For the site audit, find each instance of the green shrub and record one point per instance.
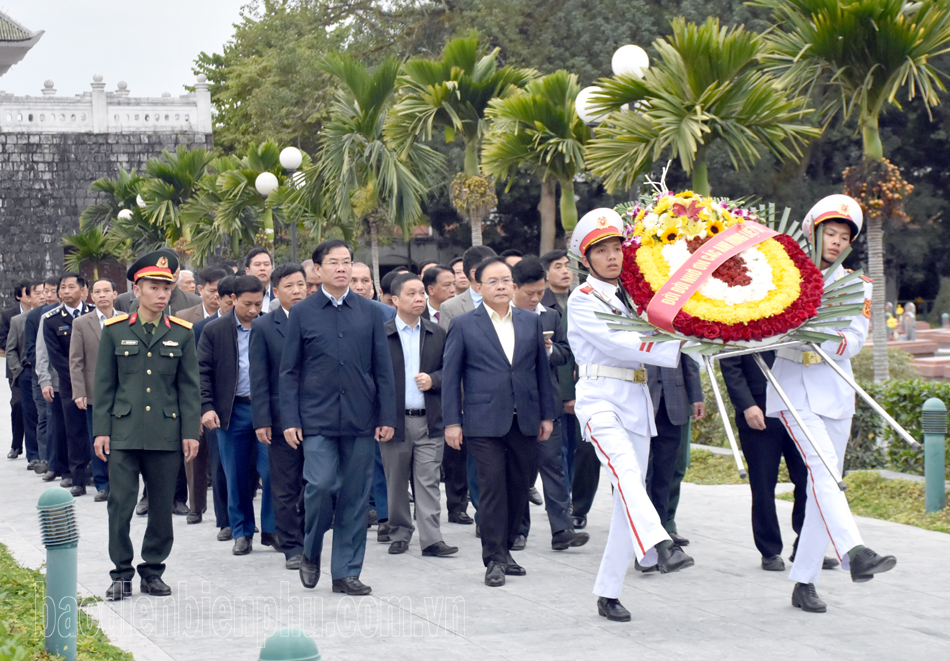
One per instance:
(709, 430)
(898, 365)
(942, 302)
(12, 645)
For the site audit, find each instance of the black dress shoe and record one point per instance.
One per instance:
(773, 563)
(31, 465)
(520, 542)
(382, 532)
(397, 548)
(672, 558)
(805, 596)
(78, 491)
(142, 507)
(293, 562)
(193, 517)
(154, 585)
(580, 522)
(568, 538)
(830, 563)
(351, 585)
(678, 539)
(180, 509)
(66, 483)
(461, 518)
(371, 519)
(866, 563)
(644, 570)
(224, 535)
(534, 497)
(102, 496)
(309, 572)
(495, 575)
(440, 550)
(119, 590)
(41, 468)
(242, 546)
(270, 539)
(13, 454)
(512, 568)
(612, 609)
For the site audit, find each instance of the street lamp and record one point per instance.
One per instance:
(628, 60)
(583, 105)
(124, 214)
(290, 159)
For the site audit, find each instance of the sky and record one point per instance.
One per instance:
(149, 44)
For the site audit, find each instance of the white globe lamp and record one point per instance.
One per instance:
(630, 60)
(291, 158)
(124, 214)
(266, 183)
(583, 105)
(139, 201)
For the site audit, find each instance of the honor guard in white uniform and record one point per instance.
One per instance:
(826, 404)
(614, 408)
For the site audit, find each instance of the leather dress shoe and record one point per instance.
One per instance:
(180, 509)
(156, 586)
(495, 575)
(567, 539)
(293, 562)
(512, 568)
(382, 532)
(224, 534)
(32, 464)
(678, 539)
(612, 609)
(142, 507)
(242, 546)
(830, 563)
(644, 570)
(520, 542)
(41, 468)
(119, 590)
(309, 572)
(270, 539)
(773, 563)
(580, 522)
(398, 547)
(672, 558)
(351, 585)
(77, 491)
(461, 518)
(102, 496)
(66, 483)
(866, 563)
(13, 454)
(49, 476)
(371, 519)
(440, 550)
(805, 596)
(193, 517)
(534, 497)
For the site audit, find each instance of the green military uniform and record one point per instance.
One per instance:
(147, 400)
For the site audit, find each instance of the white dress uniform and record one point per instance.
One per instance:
(615, 413)
(826, 404)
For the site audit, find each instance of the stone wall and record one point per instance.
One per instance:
(44, 187)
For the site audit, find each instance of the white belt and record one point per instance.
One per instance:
(806, 358)
(607, 371)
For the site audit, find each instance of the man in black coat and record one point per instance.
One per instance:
(21, 292)
(289, 283)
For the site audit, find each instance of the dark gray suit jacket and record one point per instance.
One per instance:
(432, 343)
(680, 388)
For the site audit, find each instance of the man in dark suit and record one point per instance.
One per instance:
(439, 282)
(57, 331)
(496, 354)
(43, 416)
(677, 396)
(415, 450)
(260, 264)
(224, 366)
(337, 397)
(286, 462)
(21, 292)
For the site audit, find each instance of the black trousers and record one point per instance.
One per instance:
(664, 450)
(504, 466)
(557, 492)
(219, 481)
(763, 451)
(77, 440)
(456, 479)
(16, 416)
(59, 447)
(286, 486)
(586, 475)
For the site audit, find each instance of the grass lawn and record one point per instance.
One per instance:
(22, 637)
(706, 467)
(900, 501)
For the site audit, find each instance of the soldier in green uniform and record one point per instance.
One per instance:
(145, 414)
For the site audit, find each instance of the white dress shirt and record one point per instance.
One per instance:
(410, 338)
(505, 328)
(337, 302)
(102, 317)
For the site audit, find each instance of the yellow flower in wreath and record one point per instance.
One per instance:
(670, 235)
(714, 227)
(694, 228)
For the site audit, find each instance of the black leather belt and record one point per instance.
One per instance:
(415, 413)
(240, 399)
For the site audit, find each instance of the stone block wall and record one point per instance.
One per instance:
(44, 187)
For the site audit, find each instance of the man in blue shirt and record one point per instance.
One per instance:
(337, 396)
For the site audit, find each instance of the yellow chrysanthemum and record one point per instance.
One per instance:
(670, 235)
(714, 227)
(685, 194)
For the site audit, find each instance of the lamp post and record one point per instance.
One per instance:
(266, 183)
(290, 160)
(628, 60)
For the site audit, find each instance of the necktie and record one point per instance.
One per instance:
(149, 329)
(76, 313)
(436, 316)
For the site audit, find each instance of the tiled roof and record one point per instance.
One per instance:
(10, 30)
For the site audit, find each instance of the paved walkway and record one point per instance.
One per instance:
(725, 607)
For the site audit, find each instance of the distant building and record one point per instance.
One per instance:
(15, 41)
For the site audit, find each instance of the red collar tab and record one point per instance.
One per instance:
(133, 318)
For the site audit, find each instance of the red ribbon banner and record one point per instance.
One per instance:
(688, 278)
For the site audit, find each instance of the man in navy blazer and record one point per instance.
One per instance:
(289, 283)
(496, 354)
(337, 395)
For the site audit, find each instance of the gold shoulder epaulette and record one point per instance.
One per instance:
(181, 322)
(47, 315)
(115, 320)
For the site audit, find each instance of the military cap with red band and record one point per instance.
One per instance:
(158, 265)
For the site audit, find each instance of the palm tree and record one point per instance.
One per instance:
(452, 94)
(856, 57)
(539, 128)
(365, 176)
(169, 182)
(129, 231)
(90, 246)
(708, 86)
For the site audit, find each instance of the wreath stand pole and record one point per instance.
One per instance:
(710, 370)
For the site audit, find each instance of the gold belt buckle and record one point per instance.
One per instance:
(810, 358)
(639, 376)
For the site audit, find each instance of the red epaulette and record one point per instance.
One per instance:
(865, 278)
(586, 289)
(132, 319)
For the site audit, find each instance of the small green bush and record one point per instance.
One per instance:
(898, 365)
